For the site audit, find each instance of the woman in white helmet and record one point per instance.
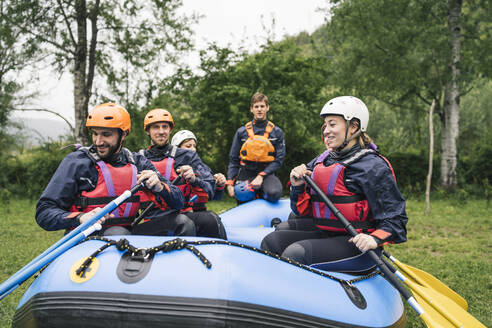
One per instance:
(187, 140)
(361, 184)
(184, 139)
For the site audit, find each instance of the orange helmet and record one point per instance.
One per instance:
(109, 115)
(158, 115)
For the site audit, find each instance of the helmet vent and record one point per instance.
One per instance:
(108, 117)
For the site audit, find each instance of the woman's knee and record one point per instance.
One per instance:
(116, 230)
(272, 188)
(270, 243)
(184, 226)
(296, 252)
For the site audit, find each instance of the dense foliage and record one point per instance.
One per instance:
(299, 74)
(217, 102)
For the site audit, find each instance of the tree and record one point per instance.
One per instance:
(215, 102)
(408, 54)
(121, 40)
(16, 52)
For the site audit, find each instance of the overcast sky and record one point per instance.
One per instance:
(227, 22)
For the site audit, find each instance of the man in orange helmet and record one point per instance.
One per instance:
(91, 177)
(172, 161)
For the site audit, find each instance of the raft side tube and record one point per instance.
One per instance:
(256, 213)
(237, 275)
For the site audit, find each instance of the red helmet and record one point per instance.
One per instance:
(109, 115)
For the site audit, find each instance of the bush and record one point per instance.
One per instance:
(29, 173)
(411, 172)
(474, 169)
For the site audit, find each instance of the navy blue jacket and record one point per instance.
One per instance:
(204, 178)
(370, 176)
(218, 192)
(76, 173)
(276, 137)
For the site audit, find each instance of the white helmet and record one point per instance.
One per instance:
(181, 136)
(349, 107)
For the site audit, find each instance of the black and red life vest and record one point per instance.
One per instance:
(197, 200)
(354, 207)
(111, 182)
(166, 166)
(258, 148)
(166, 169)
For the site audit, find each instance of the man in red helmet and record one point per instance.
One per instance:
(172, 161)
(91, 177)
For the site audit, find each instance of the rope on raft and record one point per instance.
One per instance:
(178, 244)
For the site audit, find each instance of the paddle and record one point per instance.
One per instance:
(151, 205)
(20, 276)
(444, 310)
(429, 319)
(427, 280)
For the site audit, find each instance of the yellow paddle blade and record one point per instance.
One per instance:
(442, 310)
(431, 317)
(428, 280)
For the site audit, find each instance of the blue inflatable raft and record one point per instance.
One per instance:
(144, 281)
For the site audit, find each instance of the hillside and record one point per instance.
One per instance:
(36, 131)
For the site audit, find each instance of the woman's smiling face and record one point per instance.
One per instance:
(334, 131)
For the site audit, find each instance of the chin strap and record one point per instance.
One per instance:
(345, 143)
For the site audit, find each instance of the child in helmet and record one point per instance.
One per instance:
(361, 184)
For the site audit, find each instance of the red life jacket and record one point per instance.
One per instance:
(166, 166)
(199, 204)
(111, 182)
(166, 169)
(354, 207)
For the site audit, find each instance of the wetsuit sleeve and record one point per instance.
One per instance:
(71, 177)
(171, 194)
(234, 160)
(386, 203)
(300, 199)
(204, 177)
(279, 145)
(219, 192)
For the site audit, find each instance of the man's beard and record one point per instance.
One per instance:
(111, 151)
(157, 143)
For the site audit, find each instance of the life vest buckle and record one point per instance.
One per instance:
(84, 202)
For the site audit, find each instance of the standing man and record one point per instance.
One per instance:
(257, 151)
(172, 161)
(91, 177)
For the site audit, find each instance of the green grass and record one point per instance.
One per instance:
(453, 243)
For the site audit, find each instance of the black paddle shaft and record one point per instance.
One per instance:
(151, 206)
(387, 272)
(137, 187)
